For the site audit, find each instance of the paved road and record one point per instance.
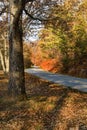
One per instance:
(73, 82)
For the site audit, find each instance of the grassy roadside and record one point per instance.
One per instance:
(49, 107)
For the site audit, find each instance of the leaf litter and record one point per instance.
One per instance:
(49, 107)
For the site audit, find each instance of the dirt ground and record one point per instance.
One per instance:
(48, 107)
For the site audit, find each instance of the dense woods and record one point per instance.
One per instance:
(33, 11)
(64, 39)
(62, 43)
(47, 34)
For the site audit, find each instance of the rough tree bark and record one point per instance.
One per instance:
(4, 53)
(2, 60)
(16, 86)
(6, 57)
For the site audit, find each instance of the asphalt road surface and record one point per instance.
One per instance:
(70, 81)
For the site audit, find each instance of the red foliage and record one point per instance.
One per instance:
(51, 65)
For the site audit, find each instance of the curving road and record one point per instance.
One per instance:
(73, 82)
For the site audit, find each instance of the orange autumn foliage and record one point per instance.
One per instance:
(52, 65)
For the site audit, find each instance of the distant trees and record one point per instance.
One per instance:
(27, 55)
(67, 34)
(4, 58)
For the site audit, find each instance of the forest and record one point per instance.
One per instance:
(50, 35)
(63, 45)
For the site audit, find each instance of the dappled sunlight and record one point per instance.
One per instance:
(48, 107)
(54, 33)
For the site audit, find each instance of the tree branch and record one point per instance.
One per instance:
(34, 18)
(3, 10)
(26, 1)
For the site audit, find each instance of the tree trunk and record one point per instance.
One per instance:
(4, 54)
(6, 57)
(16, 86)
(2, 61)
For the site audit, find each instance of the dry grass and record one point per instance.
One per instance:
(48, 107)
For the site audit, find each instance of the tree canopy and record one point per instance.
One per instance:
(64, 33)
(16, 10)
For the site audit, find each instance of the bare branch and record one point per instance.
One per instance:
(3, 10)
(26, 1)
(34, 18)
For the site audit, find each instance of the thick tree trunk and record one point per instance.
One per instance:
(16, 86)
